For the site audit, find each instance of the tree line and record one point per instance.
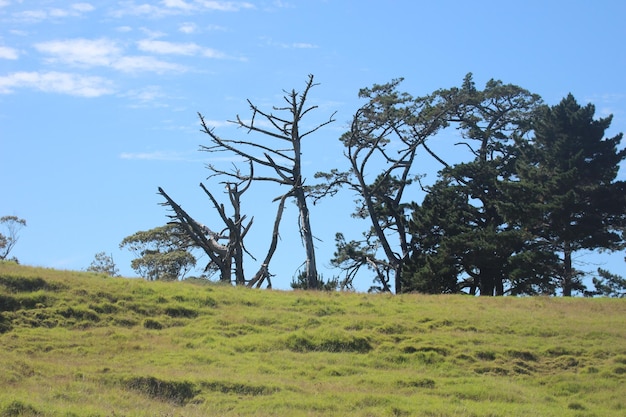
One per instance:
(539, 184)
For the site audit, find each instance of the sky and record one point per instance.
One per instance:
(99, 102)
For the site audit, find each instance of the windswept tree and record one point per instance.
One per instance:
(463, 227)
(384, 137)
(276, 153)
(163, 253)
(12, 226)
(569, 171)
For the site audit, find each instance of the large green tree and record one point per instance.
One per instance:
(463, 227)
(567, 173)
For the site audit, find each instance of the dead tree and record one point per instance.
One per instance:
(222, 256)
(281, 157)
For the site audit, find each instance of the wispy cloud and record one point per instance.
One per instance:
(8, 53)
(156, 156)
(179, 48)
(101, 53)
(146, 64)
(163, 47)
(287, 45)
(81, 52)
(57, 82)
(38, 15)
(224, 6)
(188, 27)
(177, 7)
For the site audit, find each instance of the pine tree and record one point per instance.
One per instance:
(569, 170)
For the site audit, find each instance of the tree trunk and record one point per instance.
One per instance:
(307, 237)
(566, 280)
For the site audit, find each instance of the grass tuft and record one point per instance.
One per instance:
(176, 392)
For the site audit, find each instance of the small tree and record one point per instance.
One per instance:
(13, 225)
(163, 253)
(103, 264)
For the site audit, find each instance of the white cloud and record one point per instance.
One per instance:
(173, 7)
(8, 53)
(225, 6)
(293, 45)
(83, 52)
(102, 53)
(154, 156)
(188, 27)
(83, 7)
(163, 47)
(145, 64)
(57, 82)
(34, 16)
(303, 45)
(177, 4)
(150, 96)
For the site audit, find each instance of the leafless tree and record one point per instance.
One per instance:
(280, 152)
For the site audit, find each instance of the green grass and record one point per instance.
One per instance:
(82, 344)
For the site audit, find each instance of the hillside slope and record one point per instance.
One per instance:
(81, 344)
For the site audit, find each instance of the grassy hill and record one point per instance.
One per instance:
(81, 344)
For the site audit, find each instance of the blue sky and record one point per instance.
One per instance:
(98, 100)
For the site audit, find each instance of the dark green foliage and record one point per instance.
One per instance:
(328, 343)
(238, 388)
(5, 324)
(19, 409)
(417, 383)
(152, 324)
(171, 391)
(79, 313)
(8, 303)
(301, 282)
(608, 285)
(567, 174)
(23, 284)
(180, 311)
